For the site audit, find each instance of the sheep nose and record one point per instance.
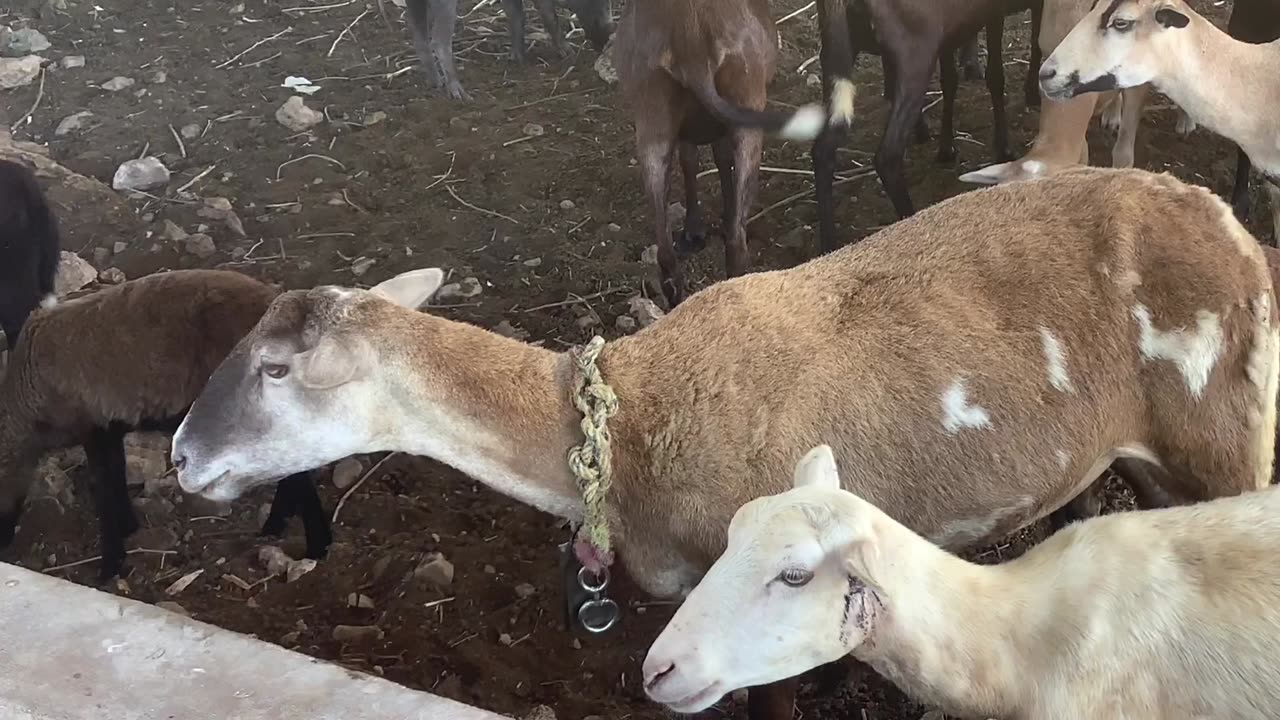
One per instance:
(179, 462)
(1047, 73)
(652, 679)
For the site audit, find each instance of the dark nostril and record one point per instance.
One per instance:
(179, 462)
(1047, 73)
(657, 677)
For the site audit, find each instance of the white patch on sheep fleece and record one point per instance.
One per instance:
(958, 413)
(1064, 459)
(805, 124)
(1055, 361)
(1195, 352)
(48, 301)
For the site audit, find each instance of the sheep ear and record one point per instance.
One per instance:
(1171, 18)
(410, 289)
(818, 469)
(327, 365)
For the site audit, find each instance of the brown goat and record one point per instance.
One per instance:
(1048, 326)
(697, 73)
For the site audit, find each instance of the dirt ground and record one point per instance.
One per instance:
(410, 179)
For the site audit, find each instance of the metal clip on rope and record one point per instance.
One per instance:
(599, 613)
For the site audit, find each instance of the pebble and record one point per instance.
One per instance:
(649, 256)
(540, 712)
(295, 115)
(625, 323)
(567, 205)
(436, 571)
(140, 174)
(604, 64)
(190, 131)
(200, 245)
(533, 262)
(158, 77)
(467, 288)
(614, 227)
(813, 81)
(490, 570)
(19, 72)
(525, 591)
(70, 62)
(16, 43)
(362, 265)
(119, 247)
(118, 83)
(644, 311)
(506, 639)
(357, 633)
(533, 129)
(374, 118)
(586, 322)
(112, 276)
(174, 232)
(346, 471)
(360, 601)
(72, 123)
(74, 272)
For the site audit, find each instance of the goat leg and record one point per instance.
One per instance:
(694, 235)
(950, 85)
(1031, 82)
(655, 148)
(890, 159)
(722, 151)
(104, 452)
(547, 11)
(431, 22)
(995, 85)
(1240, 200)
(747, 148)
(969, 59)
(305, 501)
(515, 25)
(838, 56)
(775, 701)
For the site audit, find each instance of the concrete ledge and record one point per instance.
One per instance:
(69, 652)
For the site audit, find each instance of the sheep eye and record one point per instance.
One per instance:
(1122, 24)
(275, 371)
(795, 577)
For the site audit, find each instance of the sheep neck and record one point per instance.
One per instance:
(495, 408)
(955, 634)
(1216, 79)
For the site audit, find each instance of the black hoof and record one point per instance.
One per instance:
(274, 526)
(318, 547)
(690, 243)
(110, 569)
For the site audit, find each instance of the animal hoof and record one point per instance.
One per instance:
(318, 548)
(273, 527)
(457, 92)
(688, 243)
(110, 569)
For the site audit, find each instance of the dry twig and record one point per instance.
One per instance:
(247, 50)
(304, 157)
(358, 483)
(345, 30)
(176, 138)
(34, 106)
(477, 208)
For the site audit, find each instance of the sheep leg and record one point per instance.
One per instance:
(515, 25)
(1240, 200)
(1131, 101)
(775, 701)
(1031, 83)
(296, 495)
(950, 85)
(547, 11)
(995, 86)
(694, 235)
(890, 159)
(747, 148)
(116, 520)
(655, 148)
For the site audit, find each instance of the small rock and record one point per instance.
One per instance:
(203, 506)
(112, 276)
(71, 62)
(586, 322)
(649, 256)
(275, 560)
(468, 288)
(219, 208)
(72, 123)
(490, 570)
(74, 272)
(436, 571)
(346, 471)
(191, 131)
(539, 712)
(506, 639)
(298, 568)
(532, 129)
(19, 72)
(200, 245)
(158, 77)
(533, 262)
(26, 41)
(357, 633)
(567, 205)
(625, 323)
(362, 265)
(143, 462)
(100, 256)
(119, 247)
(506, 329)
(813, 81)
(525, 591)
(676, 214)
(604, 64)
(153, 486)
(174, 232)
(614, 227)
(295, 115)
(644, 311)
(360, 601)
(173, 607)
(140, 174)
(117, 83)
(290, 638)
(374, 118)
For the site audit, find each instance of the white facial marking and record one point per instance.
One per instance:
(958, 413)
(1033, 167)
(1064, 459)
(1195, 352)
(1055, 361)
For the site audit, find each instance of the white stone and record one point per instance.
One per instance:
(140, 174)
(19, 72)
(74, 272)
(295, 115)
(116, 83)
(72, 123)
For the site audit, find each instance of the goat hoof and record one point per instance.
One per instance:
(110, 569)
(688, 243)
(318, 548)
(273, 527)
